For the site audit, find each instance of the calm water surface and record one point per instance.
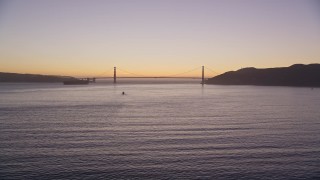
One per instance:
(158, 131)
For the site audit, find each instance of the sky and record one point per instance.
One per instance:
(156, 37)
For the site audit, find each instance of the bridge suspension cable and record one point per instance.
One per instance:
(215, 73)
(185, 72)
(135, 74)
(105, 72)
(172, 75)
(167, 76)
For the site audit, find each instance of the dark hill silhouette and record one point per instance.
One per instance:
(15, 77)
(295, 75)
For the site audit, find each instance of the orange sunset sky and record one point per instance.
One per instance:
(156, 38)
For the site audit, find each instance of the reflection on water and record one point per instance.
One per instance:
(158, 131)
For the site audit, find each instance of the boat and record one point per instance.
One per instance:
(76, 82)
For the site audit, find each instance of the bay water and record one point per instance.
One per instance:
(167, 130)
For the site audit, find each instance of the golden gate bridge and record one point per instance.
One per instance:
(115, 75)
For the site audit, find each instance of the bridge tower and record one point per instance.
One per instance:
(202, 82)
(114, 75)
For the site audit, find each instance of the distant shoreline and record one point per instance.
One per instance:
(32, 78)
(297, 75)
